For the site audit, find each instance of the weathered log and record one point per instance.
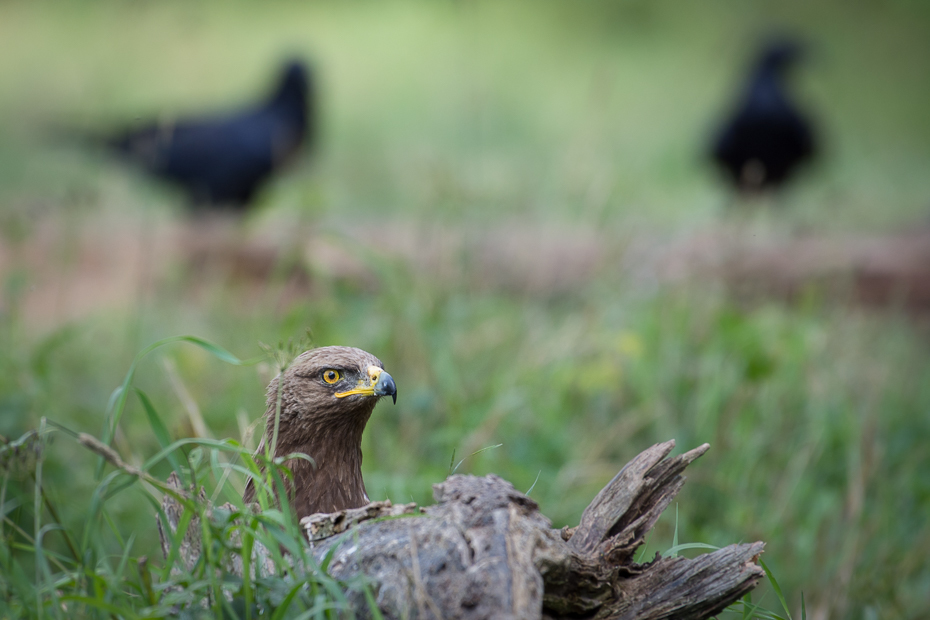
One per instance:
(485, 551)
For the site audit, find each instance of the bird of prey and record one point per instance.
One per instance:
(766, 137)
(222, 160)
(326, 398)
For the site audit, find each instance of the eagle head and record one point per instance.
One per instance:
(325, 398)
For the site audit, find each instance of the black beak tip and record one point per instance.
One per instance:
(386, 387)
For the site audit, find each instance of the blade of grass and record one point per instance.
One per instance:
(53, 513)
(6, 507)
(97, 501)
(673, 551)
(176, 539)
(228, 445)
(285, 604)
(115, 530)
(37, 529)
(123, 562)
(247, 544)
(751, 610)
(533, 486)
(48, 584)
(121, 612)
(372, 603)
(160, 432)
(117, 403)
(474, 453)
(221, 474)
(15, 573)
(29, 545)
(145, 576)
(776, 588)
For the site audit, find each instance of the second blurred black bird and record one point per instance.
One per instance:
(222, 160)
(766, 137)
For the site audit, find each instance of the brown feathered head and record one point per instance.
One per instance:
(326, 397)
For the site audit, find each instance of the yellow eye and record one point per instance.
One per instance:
(331, 376)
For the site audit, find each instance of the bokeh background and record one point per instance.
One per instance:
(509, 204)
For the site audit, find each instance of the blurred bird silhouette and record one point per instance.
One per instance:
(223, 160)
(766, 137)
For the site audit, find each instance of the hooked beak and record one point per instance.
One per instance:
(379, 384)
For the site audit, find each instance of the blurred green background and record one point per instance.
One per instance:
(493, 182)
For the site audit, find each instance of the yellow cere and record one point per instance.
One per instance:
(363, 388)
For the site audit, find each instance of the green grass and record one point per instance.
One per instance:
(95, 571)
(486, 117)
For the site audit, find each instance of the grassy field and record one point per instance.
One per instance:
(515, 125)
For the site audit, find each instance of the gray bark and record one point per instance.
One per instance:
(485, 551)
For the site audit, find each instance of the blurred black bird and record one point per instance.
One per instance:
(766, 137)
(223, 160)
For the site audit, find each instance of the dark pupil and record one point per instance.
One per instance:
(330, 375)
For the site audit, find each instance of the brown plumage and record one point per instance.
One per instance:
(327, 396)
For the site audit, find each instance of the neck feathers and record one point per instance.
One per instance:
(333, 481)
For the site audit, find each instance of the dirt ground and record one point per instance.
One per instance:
(61, 272)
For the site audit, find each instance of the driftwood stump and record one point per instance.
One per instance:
(485, 551)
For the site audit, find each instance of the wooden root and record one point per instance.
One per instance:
(485, 551)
